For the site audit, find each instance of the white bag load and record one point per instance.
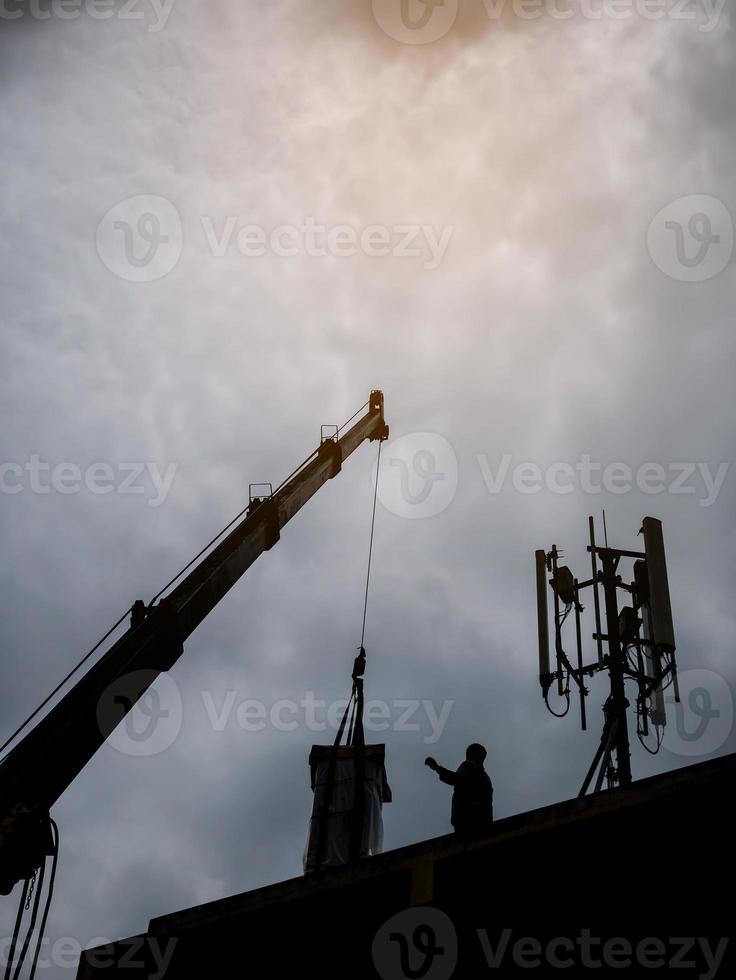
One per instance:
(333, 829)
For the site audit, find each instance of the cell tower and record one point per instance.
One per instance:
(639, 644)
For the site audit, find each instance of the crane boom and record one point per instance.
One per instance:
(36, 772)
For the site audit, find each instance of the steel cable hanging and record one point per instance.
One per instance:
(370, 547)
(353, 718)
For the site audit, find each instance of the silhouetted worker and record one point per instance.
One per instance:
(472, 799)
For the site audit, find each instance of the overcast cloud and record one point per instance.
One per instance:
(222, 224)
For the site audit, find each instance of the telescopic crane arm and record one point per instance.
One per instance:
(42, 765)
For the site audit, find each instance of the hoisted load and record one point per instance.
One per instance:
(350, 788)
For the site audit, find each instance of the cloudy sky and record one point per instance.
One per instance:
(222, 225)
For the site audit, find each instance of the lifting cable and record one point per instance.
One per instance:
(355, 735)
(355, 705)
(355, 730)
(370, 547)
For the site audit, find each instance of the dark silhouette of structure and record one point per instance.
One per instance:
(41, 765)
(538, 887)
(638, 644)
(49, 757)
(472, 798)
(350, 787)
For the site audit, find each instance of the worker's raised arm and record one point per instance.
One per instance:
(446, 775)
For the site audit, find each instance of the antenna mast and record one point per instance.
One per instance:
(639, 644)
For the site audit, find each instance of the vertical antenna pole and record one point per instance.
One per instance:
(641, 706)
(558, 638)
(542, 620)
(579, 641)
(596, 600)
(619, 704)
